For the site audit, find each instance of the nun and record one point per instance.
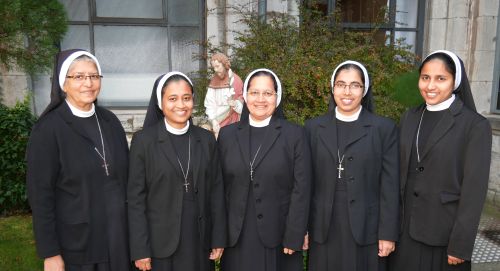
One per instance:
(266, 171)
(445, 154)
(354, 208)
(77, 160)
(176, 208)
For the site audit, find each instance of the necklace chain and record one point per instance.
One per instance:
(418, 133)
(103, 155)
(185, 174)
(253, 161)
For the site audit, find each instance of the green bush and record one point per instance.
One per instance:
(304, 55)
(15, 126)
(29, 32)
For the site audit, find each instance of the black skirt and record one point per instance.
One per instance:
(249, 254)
(190, 254)
(340, 252)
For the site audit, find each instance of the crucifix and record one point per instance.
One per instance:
(186, 185)
(340, 169)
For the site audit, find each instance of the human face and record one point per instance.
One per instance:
(348, 99)
(435, 82)
(82, 94)
(177, 103)
(260, 106)
(219, 69)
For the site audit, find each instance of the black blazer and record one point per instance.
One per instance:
(156, 191)
(67, 186)
(453, 178)
(372, 172)
(281, 182)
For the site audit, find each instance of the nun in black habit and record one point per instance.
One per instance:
(445, 161)
(266, 171)
(354, 206)
(176, 205)
(77, 159)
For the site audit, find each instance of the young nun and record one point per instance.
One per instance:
(176, 206)
(77, 159)
(445, 162)
(265, 163)
(354, 207)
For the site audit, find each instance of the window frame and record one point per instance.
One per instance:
(495, 103)
(94, 20)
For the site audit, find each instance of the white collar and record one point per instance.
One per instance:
(176, 131)
(345, 118)
(259, 124)
(80, 113)
(442, 105)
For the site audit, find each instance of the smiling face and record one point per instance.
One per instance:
(177, 103)
(348, 99)
(435, 82)
(260, 104)
(82, 94)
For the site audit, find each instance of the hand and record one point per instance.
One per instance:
(385, 248)
(216, 253)
(54, 263)
(454, 260)
(305, 246)
(143, 264)
(288, 251)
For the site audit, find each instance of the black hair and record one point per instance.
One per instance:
(264, 73)
(175, 78)
(447, 60)
(349, 66)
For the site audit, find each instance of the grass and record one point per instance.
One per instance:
(17, 248)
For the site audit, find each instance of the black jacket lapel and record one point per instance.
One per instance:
(272, 134)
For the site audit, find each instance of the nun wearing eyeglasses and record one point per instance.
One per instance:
(354, 208)
(266, 171)
(77, 160)
(176, 205)
(445, 163)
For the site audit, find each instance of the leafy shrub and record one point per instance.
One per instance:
(15, 126)
(305, 54)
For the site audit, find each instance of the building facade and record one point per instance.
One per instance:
(136, 41)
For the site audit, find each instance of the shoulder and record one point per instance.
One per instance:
(204, 134)
(107, 115)
(380, 121)
(474, 119)
(228, 130)
(290, 126)
(316, 121)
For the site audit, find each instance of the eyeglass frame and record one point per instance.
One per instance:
(92, 77)
(344, 85)
(266, 93)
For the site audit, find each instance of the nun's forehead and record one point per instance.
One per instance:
(81, 59)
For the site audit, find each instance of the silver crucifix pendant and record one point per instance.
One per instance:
(186, 186)
(340, 169)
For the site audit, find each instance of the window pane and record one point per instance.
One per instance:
(406, 13)
(129, 49)
(77, 37)
(131, 58)
(77, 10)
(130, 8)
(409, 38)
(183, 11)
(185, 48)
(362, 11)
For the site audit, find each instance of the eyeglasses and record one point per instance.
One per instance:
(265, 94)
(82, 77)
(352, 86)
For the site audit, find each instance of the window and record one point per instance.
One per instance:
(495, 96)
(405, 18)
(135, 41)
